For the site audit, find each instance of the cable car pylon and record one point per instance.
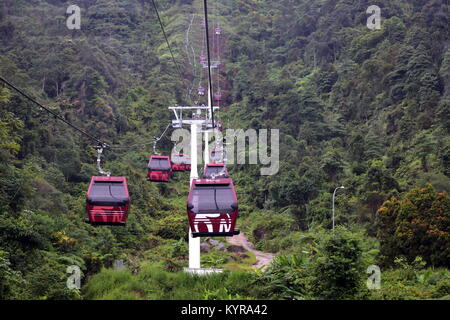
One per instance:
(198, 205)
(195, 123)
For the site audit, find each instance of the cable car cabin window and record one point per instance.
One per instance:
(179, 159)
(213, 199)
(216, 172)
(216, 155)
(108, 193)
(159, 165)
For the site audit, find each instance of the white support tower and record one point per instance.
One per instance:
(214, 64)
(195, 122)
(194, 243)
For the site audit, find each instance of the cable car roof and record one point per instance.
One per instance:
(159, 163)
(105, 178)
(212, 196)
(215, 165)
(222, 181)
(215, 171)
(108, 190)
(180, 158)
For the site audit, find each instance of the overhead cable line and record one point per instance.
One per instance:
(156, 139)
(56, 115)
(164, 132)
(190, 48)
(159, 138)
(167, 40)
(205, 6)
(59, 117)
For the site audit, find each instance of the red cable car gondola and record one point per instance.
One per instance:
(180, 162)
(217, 96)
(219, 125)
(215, 171)
(159, 168)
(203, 58)
(212, 208)
(216, 156)
(208, 125)
(188, 163)
(107, 201)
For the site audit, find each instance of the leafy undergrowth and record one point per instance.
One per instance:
(246, 264)
(290, 277)
(412, 282)
(239, 261)
(325, 266)
(152, 282)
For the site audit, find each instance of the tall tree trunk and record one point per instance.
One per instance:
(424, 164)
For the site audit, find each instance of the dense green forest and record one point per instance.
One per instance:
(367, 109)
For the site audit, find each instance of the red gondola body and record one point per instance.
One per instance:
(215, 171)
(212, 208)
(219, 125)
(159, 169)
(107, 201)
(188, 163)
(180, 162)
(208, 125)
(216, 156)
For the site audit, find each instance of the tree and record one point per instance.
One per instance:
(424, 144)
(373, 146)
(10, 280)
(418, 225)
(338, 269)
(9, 128)
(332, 164)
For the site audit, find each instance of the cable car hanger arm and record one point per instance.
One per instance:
(155, 141)
(99, 167)
(205, 6)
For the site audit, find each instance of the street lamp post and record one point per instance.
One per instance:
(334, 194)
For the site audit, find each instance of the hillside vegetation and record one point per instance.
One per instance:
(367, 109)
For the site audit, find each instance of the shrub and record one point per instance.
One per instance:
(338, 268)
(288, 277)
(419, 225)
(152, 282)
(442, 289)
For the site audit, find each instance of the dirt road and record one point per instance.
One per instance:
(262, 258)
